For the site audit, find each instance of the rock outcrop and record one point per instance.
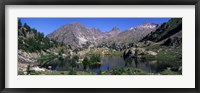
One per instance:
(136, 52)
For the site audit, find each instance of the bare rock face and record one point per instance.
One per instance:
(77, 35)
(135, 52)
(114, 32)
(133, 34)
(25, 59)
(136, 33)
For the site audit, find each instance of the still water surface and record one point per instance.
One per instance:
(115, 62)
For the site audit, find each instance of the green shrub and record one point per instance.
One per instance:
(169, 72)
(86, 63)
(125, 71)
(72, 72)
(145, 58)
(46, 58)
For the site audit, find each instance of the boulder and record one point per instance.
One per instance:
(128, 53)
(152, 53)
(131, 52)
(173, 42)
(38, 69)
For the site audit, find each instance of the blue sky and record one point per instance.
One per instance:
(48, 25)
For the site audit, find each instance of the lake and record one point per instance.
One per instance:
(116, 62)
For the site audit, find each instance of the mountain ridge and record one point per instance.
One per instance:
(76, 34)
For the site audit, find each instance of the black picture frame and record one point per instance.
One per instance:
(3, 3)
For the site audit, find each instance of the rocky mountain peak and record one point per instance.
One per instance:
(75, 24)
(76, 34)
(145, 25)
(148, 23)
(115, 29)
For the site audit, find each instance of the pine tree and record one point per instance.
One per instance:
(19, 24)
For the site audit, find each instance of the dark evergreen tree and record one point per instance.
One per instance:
(19, 24)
